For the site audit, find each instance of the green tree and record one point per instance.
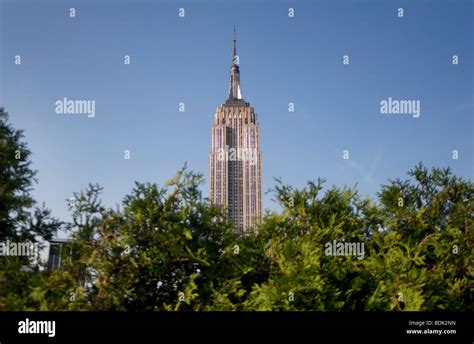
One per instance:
(165, 248)
(21, 219)
(432, 214)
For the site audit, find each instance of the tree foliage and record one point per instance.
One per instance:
(21, 219)
(165, 248)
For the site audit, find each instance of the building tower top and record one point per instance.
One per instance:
(234, 89)
(234, 56)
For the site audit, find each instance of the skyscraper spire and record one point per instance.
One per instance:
(234, 90)
(234, 56)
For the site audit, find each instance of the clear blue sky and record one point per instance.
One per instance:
(282, 60)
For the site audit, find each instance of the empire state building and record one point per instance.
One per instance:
(235, 160)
